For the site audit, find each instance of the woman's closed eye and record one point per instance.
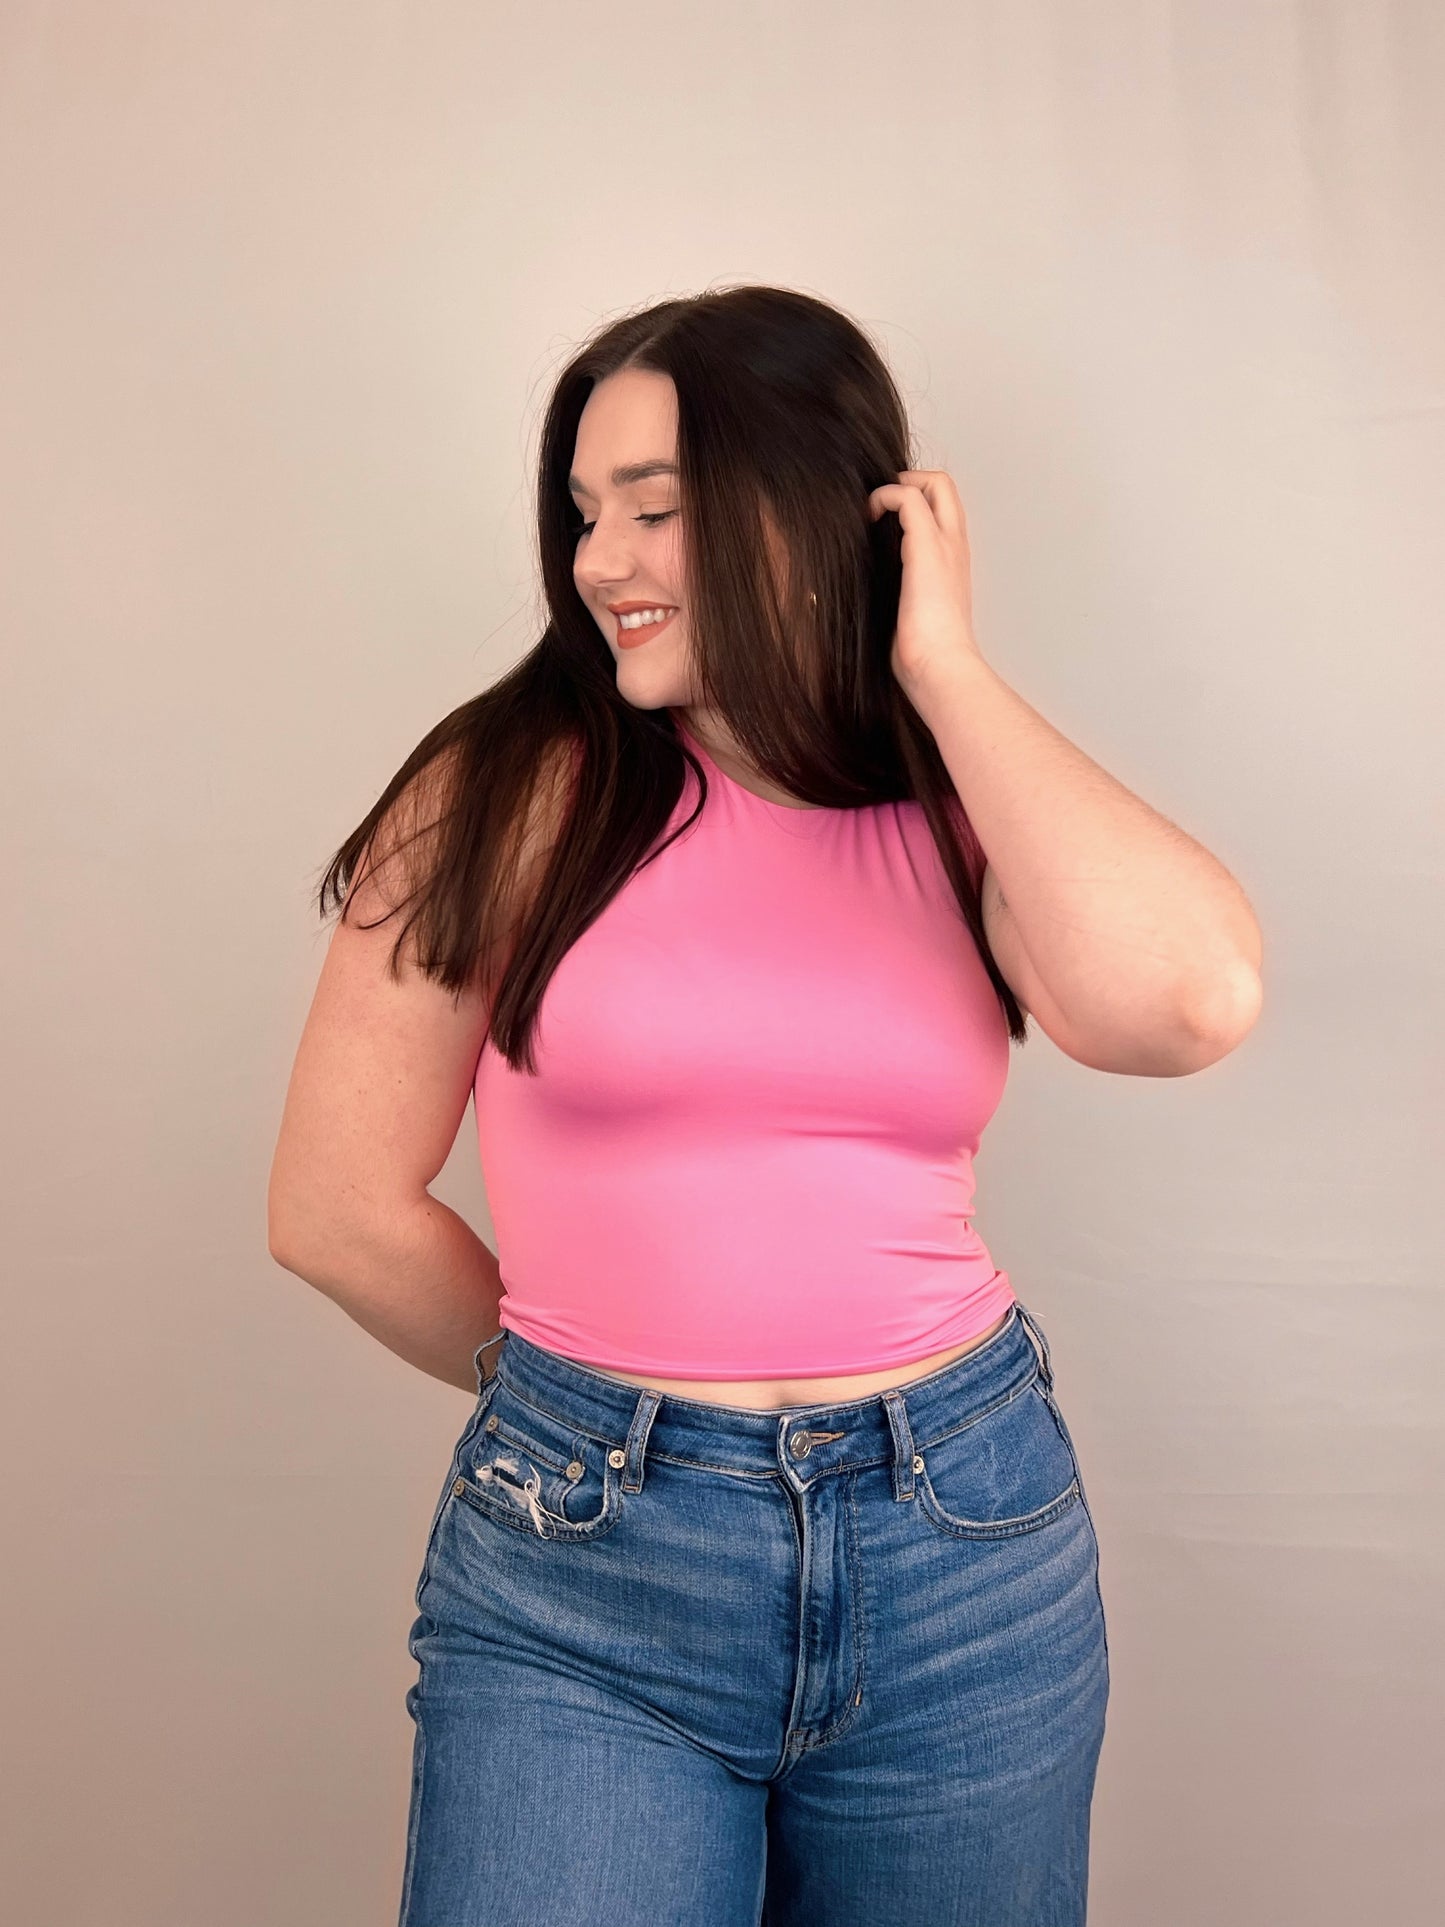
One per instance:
(651, 520)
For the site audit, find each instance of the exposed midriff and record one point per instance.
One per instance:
(768, 1393)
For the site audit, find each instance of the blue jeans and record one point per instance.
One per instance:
(693, 1665)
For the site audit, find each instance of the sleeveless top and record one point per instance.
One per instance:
(763, 1073)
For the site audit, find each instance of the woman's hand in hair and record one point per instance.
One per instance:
(935, 605)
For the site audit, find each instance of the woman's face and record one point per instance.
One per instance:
(630, 549)
(630, 552)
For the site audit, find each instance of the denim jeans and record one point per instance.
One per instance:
(693, 1665)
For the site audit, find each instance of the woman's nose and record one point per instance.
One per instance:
(605, 561)
(609, 573)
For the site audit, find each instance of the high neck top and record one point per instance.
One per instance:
(763, 1075)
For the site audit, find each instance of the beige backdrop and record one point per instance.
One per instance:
(285, 285)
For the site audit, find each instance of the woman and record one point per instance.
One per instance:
(762, 1584)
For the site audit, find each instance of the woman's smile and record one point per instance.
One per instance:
(643, 632)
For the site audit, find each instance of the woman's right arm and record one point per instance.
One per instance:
(375, 1100)
(376, 1096)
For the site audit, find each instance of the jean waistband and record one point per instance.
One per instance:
(809, 1438)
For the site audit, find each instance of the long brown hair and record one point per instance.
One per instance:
(787, 417)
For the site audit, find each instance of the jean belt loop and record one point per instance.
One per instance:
(1041, 1344)
(477, 1359)
(630, 1459)
(895, 1407)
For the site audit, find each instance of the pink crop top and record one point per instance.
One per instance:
(763, 1075)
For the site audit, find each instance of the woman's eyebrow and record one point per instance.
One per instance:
(621, 477)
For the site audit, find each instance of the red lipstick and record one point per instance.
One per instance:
(630, 638)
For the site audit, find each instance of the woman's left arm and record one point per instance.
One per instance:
(1131, 925)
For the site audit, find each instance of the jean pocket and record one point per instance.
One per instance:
(526, 1469)
(459, 1450)
(1010, 1470)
